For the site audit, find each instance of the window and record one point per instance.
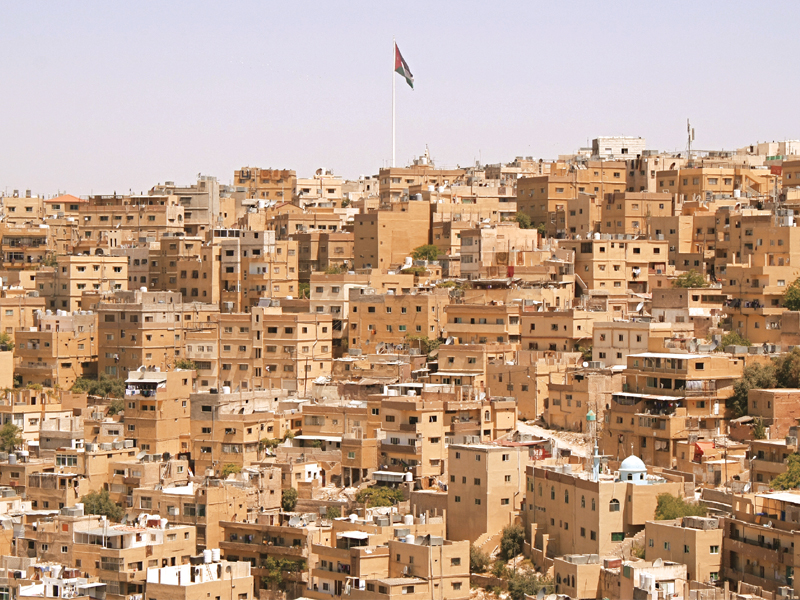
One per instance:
(617, 537)
(614, 505)
(478, 501)
(714, 550)
(667, 545)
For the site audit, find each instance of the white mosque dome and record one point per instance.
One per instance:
(633, 463)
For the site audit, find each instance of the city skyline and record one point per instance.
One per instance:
(110, 98)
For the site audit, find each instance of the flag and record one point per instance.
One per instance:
(401, 67)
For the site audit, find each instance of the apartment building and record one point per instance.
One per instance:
(411, 430)
(157, 411)
(323, 251)
(703, 308)
(632, 213)
(29, 408)
(575, 393)
(485, 488)
(201, 578)
(184, 264)
(544, 195)
(570, 511)
(495, 322)
(24, 246)
(65, 205)
(256, 540)
(200, 202)
(489, 252)
(330, 294)
(118, 555)
(759, 545)
(768, 459)
(146, 328)
(761, 255)
(391, 318)
(73, 276)
(693, 541)
(61, 349)
(385, 238)
(111, 221)
(777, 409)
(271, 184)
(668, 397)
(618, 264)
(395, 182)
(559, 330)
(700, 183)
(613, 341)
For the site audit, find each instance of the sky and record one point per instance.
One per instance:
(103, 97)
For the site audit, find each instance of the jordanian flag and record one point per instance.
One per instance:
(401, 67)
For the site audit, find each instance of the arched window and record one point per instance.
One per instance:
(486, 416)
(613, 506)
(583, 501)
(552, 492)
(594, 507)
(566, 496)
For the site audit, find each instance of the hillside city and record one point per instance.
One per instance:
(567, 378)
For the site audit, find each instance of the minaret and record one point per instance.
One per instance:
(591, 429)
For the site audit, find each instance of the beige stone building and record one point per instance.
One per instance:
(694, 541)
(215, 579)
(385, 238)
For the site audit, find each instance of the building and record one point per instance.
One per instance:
(693, 541)
(200, 579)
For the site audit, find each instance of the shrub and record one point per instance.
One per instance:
(512, 541)
(379, 496)
(675, 507)
(289, 499)
(690, 279)
(478, 560)
(100, 503)
(10, 437)
(427, 252)
(528, 583)
(230, 469)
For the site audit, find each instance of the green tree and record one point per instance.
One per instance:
(276, 567)
(304, 290)
(427, 252)
(230, 469)
(423, 342)
(500, 569)
(690, 279)
(51, 260)
(528, 583)
(105, 386)
(759, 429)
(379, 496)
(523, 220)
(334, 270)
(790, 478)
(6, 343)
(478, 560)
(117, 406)
(288, 499)
(414, 271)
(755, 376)
(185, 363)
(733, 338)
(10, 437)
(791, 299)
(100, 503)
(787, 369)
(675, 507)
(333, 512)
(512, 541)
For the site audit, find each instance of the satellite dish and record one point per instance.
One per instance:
(658, 562)
(541, 594)
(639, 307)
(585, 364)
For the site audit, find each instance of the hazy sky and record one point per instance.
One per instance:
(108, 96)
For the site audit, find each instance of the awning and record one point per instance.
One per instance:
(354, 535)
(390, 476)
(324, 438)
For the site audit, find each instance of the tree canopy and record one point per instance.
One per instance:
(512, 541)
(675, 507)
(10, 437)
(105, 386)
(755, 376)
(791, 299)
(379, 496)
(289, 499)
(789, 479)
(100, 503)
(524, 221)
(690, 279)
(427, 252)
(733, 338)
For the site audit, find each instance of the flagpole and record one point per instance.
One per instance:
(394, 79)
